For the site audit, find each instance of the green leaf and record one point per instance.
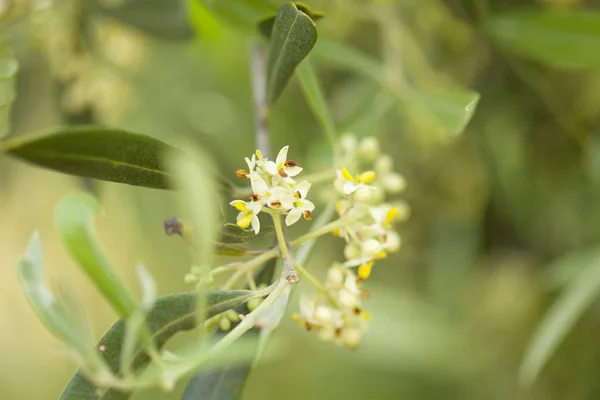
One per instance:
(452, 110)
(8, 71)
(316, 99)
(294, 36)
(231, 233)
(96, 152)
(170, 315)
(74, 218)
(164, 19)
(52, 313)
(577, 297)
(240, 15)
(567, 39)
(265, 26)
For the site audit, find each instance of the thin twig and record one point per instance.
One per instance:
(259, 88)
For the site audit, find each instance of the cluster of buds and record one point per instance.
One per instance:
(367, 219)
(366, 224)
(273, 187)
(335, 311)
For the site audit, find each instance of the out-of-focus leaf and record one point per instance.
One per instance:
(231, 233)
(338, 54)
(8, 71)
(96, 152)
(170, 315)
(52, 313)
(452, 110)
(316, 99)
(265, 26)
(568, 39)
(362, 122)
(577, 297)
(164, 19)
(239, 14)
(226, 249)
(294, 36)
(74, 219)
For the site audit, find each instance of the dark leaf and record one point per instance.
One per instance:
(170, 315)
(95, 152)
(231, 233)
(294, 36)
(265, 26)
(164, 19)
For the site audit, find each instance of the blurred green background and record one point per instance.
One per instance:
(505, 213)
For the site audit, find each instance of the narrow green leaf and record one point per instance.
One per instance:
(74, 218)
(231, 233)
(164, 19)
(338, 54)
(170, 315)
(52, 313)
(95, 152)
(240, 15)
(294, 36)
(366, 117)
(452, 110)
(8, 71)
(567, 39)
(265, 25)
(316, 99)
(577, 297)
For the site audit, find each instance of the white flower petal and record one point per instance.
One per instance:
(293, 216)
(303, 187)
(254, 206)
(293, 171)
(259, 186)
(308, 205)
(349, 188)
(255, 224)
(271, 168)
(282, 156)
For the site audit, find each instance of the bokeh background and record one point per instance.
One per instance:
(504, 214)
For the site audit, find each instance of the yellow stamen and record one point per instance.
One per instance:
(296, 317)
(336, 232)
(366, 315)
(241, 173)
(364, 271)
(381, 254)
(245, 220)
(259, 154)
(347, 175)
(240, 206)
(391, 215)
(307, 215)
(367, 177)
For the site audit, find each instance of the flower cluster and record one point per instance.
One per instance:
(273, 187)
(335, 311)
(366, 224)
(367, 219)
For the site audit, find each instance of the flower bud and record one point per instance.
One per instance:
(335, 276)
(393, 241)
(225, 324)
(363, 195)
(369, 148)
(254, 303)
(347, 299)
(232, 315)
(351, 337)
(371, 247)
(394, 183)
(403, 211)
(384, 164)
(351, 252)
(348, 142)
(190, 278)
